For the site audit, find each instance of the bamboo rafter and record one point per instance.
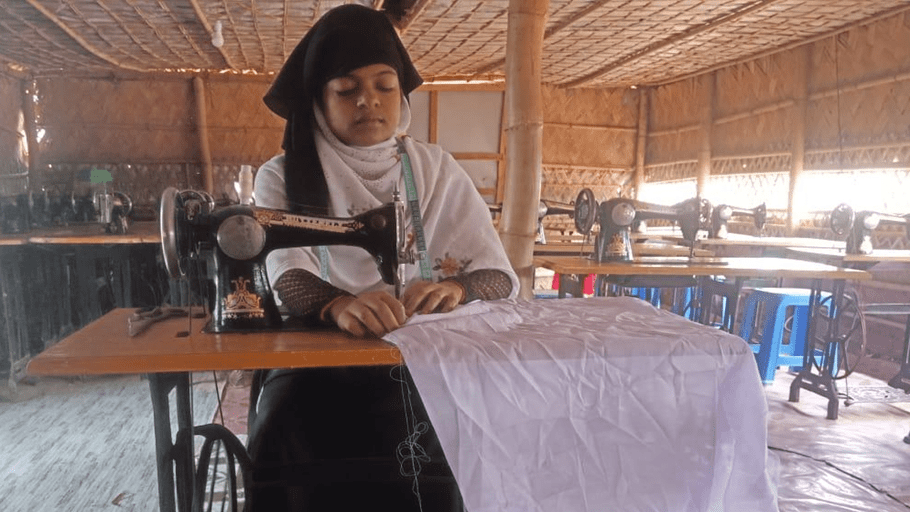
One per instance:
(711, 25)
(78, 38)
(200, 15)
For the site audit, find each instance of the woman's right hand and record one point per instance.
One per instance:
(376, 313)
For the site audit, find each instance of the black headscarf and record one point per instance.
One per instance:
(344, 39)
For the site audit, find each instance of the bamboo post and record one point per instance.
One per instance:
(202, 129)
(707, 121)
(524, 158)
(798, 142)
(31, 129)
(638, 178)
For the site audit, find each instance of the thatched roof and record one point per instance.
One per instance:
(588, 43)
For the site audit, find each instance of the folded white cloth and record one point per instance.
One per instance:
(604, 404)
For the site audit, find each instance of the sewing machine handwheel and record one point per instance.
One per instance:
(761, 216)
(704, 213)
(850, 322)
(125, 202)
(167, 217)
(585, 211)
(842, 218)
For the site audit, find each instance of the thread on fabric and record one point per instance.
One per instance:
(410, 454)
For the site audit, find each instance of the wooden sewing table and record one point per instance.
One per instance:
(738, 244)
(36, 263)
(170, 350)
(655, 271)
(638, 248)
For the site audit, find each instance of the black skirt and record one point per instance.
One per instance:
(336, 439)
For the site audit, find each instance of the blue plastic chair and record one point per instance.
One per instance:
(775, 306)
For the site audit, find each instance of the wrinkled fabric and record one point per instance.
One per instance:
(604, 404)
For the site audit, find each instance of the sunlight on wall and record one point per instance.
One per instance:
(881, 190)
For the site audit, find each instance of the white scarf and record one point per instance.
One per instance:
(359, 178)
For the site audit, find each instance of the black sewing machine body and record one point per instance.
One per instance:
(618, 215)
(112, 209)
(723, 213)
(859, 227)
(235, 240)
(546, 208)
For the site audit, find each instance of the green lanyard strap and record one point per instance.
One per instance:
(411, 190)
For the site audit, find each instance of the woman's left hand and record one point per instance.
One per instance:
(429, 297)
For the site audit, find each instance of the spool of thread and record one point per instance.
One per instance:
(246, 184)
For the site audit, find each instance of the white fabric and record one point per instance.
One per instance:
(457, 224)
(604, 404)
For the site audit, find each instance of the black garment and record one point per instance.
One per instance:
(325, 439)
(344, 39)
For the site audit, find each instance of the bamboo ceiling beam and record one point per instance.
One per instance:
(232, 23)
(203, 19)
(413, 13)
(123, 26)
(524, 156)
(787, 47)
(181, 27)
(79, 39)
(686, 34)
(550, 32)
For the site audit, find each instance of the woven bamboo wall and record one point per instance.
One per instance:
(145, 131)
(589, 141)
(241, 129)
(12, 160)
(857, 84)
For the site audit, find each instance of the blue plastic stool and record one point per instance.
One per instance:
(772, 350)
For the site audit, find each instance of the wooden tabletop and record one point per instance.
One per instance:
(840, 257)
(143, 232)
(104, 347)
(738, 239)
(642, 249)
(18, 239)
(682, 266)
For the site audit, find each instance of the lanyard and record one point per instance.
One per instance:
(414, 205)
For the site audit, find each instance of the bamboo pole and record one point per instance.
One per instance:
(798, 142)
(707, 121)
(202, 129)
(524, 104)
(31, 129)
(501, 164)
(638, 178)
(434, 117)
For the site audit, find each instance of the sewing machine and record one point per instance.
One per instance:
(858, 227)
(722, 213)
(234, 241)
(545, 208)
(113, 209)
(14, 212)
(617, 216)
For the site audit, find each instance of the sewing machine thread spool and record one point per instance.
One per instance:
(245, 179)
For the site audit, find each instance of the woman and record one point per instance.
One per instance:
(343, 92)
